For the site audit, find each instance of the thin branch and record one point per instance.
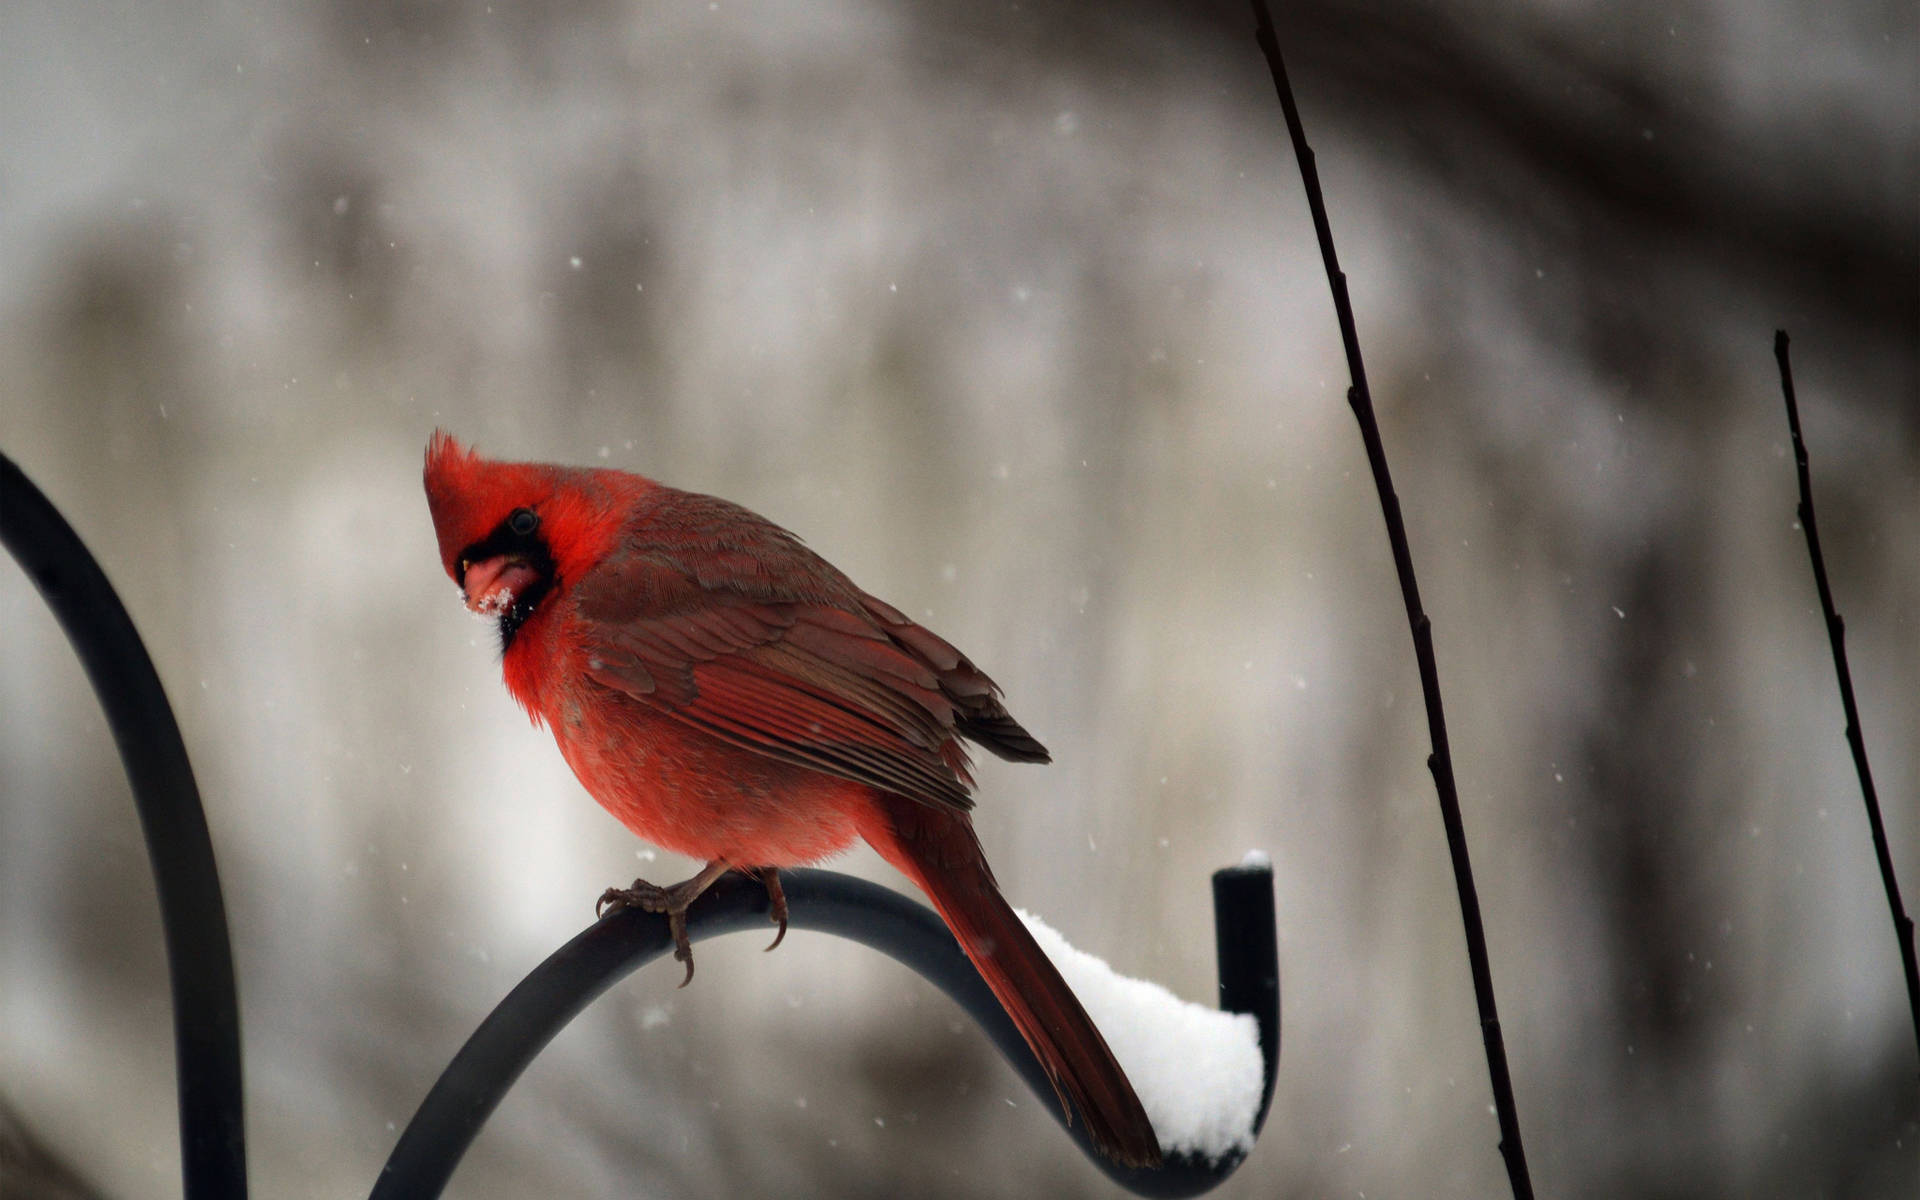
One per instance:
(1837, 635)
(1440, 761)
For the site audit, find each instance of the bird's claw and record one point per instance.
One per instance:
(651, 897)
(682, 948)
(777, 903)
(647, 897)
(673, 901)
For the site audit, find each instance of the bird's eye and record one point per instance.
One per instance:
(523, 521)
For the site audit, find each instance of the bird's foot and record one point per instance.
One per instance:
(672, 900)
(778, 901)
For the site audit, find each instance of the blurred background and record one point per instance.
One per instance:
(1012, 311)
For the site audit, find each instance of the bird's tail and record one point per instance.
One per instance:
(937, 849)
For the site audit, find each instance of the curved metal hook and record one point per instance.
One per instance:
(579, 972)
(206, 1007)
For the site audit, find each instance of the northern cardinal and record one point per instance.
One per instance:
(729, 695)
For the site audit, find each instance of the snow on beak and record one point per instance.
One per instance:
(493, 584)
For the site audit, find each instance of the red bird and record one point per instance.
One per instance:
(729, 695)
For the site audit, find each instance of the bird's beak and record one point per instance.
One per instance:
(492, 585)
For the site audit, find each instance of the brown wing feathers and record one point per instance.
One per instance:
(817, 685)
(979, 714)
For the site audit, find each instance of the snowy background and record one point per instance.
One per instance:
(1013, 311)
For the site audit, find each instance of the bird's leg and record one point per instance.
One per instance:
(672, 900)
(778, 898)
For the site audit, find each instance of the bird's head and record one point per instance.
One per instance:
(511, 532)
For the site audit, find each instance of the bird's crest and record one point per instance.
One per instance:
(469, 495)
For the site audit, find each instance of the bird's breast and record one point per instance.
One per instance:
(690, 792)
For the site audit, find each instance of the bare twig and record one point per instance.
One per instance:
(1837, 635)
(1440, 761)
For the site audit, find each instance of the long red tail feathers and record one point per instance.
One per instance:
(937, 849)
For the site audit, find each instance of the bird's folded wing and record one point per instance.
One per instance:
(804, 682)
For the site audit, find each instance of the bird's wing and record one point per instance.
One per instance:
(864, 695)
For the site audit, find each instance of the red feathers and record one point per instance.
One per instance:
(729, 695)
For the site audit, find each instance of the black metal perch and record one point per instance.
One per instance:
(200, 957)
(560, 988)
(206, 1008)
